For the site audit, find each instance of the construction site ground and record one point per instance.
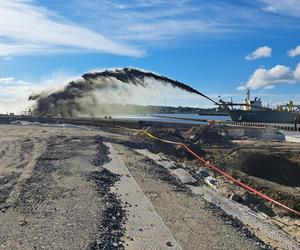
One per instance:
(68, 187)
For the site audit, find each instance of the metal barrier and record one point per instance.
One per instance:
(287, 126)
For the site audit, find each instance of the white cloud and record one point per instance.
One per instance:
(260, 52)
(294, 52)
(7, 50)
(297, 72)
(151, 22)
(107, 26)
(282, 7)
(14, 93)
(11, 81)
(6, 80)
(26, 28)
(268, 79)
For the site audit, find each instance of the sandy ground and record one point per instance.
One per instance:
(78, 188)
(188, 217)
(45, 189)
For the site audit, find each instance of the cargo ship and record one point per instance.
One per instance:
(253, 111)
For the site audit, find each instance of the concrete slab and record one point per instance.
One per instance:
(157, 158)
(143, 224)
(183, 176)
(146, 152)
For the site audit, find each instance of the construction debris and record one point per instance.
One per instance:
(183, 176)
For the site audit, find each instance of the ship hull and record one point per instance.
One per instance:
(268, 116)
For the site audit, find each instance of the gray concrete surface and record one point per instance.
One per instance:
(143, 224)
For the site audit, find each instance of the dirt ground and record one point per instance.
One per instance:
(193, 224)
(270, 166)
(57, 193)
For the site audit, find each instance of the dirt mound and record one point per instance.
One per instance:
(275, 173)
(273, 167)
(208, 135)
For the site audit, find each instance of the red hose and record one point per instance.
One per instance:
(239, 182)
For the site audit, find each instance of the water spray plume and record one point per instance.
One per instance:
(89, 94)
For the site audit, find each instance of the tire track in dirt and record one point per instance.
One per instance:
(52, 205)
(38, 148)
(39, 184)
(7, 183)
(15, 156)
(15, 153)
(10, 153)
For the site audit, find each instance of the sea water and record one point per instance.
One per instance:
(170, 118)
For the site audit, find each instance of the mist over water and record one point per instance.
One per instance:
(95, 94)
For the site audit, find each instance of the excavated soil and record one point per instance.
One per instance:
(271, 167)
(272, 171)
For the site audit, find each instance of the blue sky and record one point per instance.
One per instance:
(218, 47)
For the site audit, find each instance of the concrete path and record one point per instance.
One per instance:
(143, 224)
